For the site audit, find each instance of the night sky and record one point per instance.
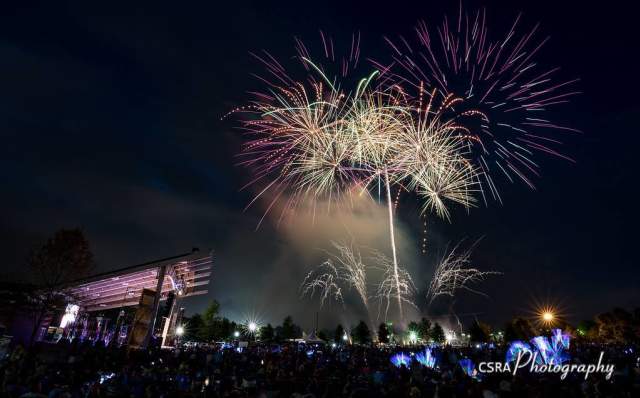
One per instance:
(110, 121)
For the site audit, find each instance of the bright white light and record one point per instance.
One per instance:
(236, 334)
(345, 337)
(70, 314)
(333, 345)
(413, 337)
(252, 327)
(180, 330)
(449, 336)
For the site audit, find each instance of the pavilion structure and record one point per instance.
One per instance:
(123, 305)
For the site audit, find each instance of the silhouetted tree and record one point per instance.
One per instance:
(437, 333)
(615, 326)
(211, 312)
(361, 333)
(194, 326)
(323, 335)
(211, 323)
(425, 328)
(289, 329)
(587, 330)
(479, 332)
(63, 258)
(266, 332)
(338, 333)
(519, 329)
(383, 333)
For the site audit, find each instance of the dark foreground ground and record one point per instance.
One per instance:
(291, 370)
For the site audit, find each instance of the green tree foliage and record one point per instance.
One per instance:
(587, 330)
(267, 333)
(361, 333)
(216, 328)
(211, 312)
(289, 329)
(616, 326)
(425, 328)
(383, 334)
(437, 333)
(194, 327)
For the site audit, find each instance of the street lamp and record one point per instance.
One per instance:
(236, 334)
(180, 330)
(252, 327)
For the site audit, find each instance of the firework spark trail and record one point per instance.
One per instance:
(344, 268)
(353, 270)
(396, 273)
(453, 273)
(499, 77)
(396, 283)
(324, 282)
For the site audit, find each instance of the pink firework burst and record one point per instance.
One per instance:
(500, 77)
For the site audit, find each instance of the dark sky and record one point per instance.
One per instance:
(109, 118)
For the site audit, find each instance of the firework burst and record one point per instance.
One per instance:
(499, 77)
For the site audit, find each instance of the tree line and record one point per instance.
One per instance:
(211, 326)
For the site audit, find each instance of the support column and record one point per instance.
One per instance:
(156, 303)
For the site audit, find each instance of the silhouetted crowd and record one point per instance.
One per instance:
(291, 370)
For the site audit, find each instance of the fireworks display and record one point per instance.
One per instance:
(323, 282)
(498, 76)
(344, 268)
(437, 122)
(454, 273)
(396, 284)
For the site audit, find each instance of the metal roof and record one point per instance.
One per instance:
(187, 274)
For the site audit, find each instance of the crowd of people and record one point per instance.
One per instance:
(290, 370)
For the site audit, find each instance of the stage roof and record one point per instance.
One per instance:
(187, 275)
